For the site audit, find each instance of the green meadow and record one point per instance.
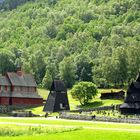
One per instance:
(40, 128)
(51, 129)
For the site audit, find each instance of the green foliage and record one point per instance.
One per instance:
(101, 36)
(47, 80)
(84, 68)
(84, 92)
(67, 71)
(6, 61)
(11, 4)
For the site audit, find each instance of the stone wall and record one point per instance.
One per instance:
(4, 109)
(8, 108)
(66, 115)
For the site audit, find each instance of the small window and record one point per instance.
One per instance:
(2, 88)
(62, 106)
(6, 88)
(12, 88)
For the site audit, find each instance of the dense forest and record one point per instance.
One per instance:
(73, 40)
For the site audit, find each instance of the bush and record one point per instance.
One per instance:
(84, 92)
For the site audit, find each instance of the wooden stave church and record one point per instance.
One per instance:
(18, 88)
(57, 99)
(131, 104)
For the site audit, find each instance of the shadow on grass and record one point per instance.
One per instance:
(92, 104)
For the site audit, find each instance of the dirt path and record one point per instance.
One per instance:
(66, 120)
(70, 126)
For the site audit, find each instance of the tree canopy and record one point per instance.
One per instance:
(86, 40)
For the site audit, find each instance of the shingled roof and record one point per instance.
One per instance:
(58, 85)
(4, 81)
(24, 80)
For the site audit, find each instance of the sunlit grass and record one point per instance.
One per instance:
(43, 93)
(65, 133)
(70, 123)
(14, 130)
(81, 135)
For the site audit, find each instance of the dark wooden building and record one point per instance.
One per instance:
(113, 95)
(57, 99)
(131, 104)
(18, 88)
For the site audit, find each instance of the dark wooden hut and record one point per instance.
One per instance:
(113, 95)
(131, 104)
(57, 99)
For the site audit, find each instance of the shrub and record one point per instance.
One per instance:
(84, 92)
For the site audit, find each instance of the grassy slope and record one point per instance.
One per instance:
(43, 93)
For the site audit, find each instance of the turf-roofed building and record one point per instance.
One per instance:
(17, 88)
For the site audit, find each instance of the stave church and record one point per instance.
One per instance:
(18, 88)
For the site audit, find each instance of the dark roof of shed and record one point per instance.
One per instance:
(4, 81)
(24, 80)
(58, 85)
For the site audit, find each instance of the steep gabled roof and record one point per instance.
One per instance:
(129, 98)
(132, 86)
(50, 102)
(138, 79)
(4, 81)
(58, 85)
(26, 80)
(30, 80)
(137, 85)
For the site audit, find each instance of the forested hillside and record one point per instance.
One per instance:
(73, 40)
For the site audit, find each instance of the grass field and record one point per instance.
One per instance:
(81, 135)
(56, 129)
(66, 130)
(74, 104)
